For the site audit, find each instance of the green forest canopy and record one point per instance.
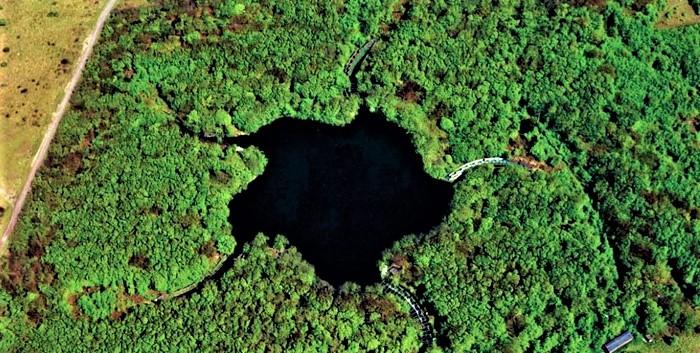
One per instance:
(132, 202)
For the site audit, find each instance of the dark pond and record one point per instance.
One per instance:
(341, 195)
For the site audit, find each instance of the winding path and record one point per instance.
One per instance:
(452, 177)
(40, 155)
(357, 57)
(428, 333)
(421, 314)
(191, 287)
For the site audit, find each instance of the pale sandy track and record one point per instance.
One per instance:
(40, 155)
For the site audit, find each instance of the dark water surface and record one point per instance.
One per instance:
(341, 195)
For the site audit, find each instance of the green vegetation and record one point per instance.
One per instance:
(270, 301)
(524, 256)
(601, 94)
(133, 200)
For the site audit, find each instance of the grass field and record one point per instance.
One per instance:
(678, 13)
(126, 4)
(40, 41)
(684, 344)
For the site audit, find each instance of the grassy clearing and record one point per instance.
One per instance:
(128, 4)
(678, 13)
(5, 210)
(41, 41)
(684, 344)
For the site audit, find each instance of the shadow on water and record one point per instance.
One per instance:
(341, 195)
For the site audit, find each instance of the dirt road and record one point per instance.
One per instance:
(55, 120)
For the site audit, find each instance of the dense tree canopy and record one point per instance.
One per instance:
(520, 264)
(600, 93)
(270, 301)
(601, 234)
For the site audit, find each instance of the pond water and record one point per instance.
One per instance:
(341, 195)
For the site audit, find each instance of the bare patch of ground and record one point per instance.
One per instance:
(677, 13)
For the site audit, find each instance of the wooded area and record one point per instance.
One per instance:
(133, 200)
